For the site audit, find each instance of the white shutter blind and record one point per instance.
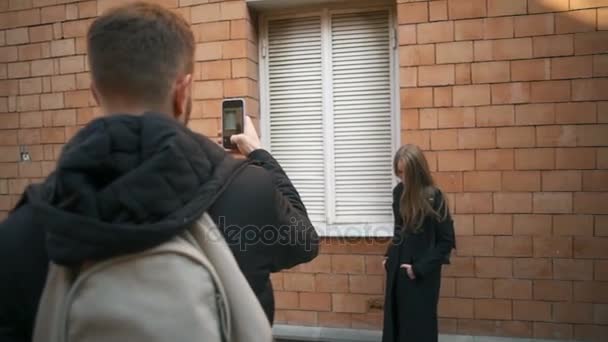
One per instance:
(362, 116)
(296, 106)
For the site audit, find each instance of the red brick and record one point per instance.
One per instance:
(205, 13)
(473, 288)
(417, 55)
(408, 77)
(557, 247)
(63, 83)
(495, 28)
(589, 89)
(409, 119)
(208, 51)
(463, 224)
(233, 10)
(407, 35)
(460, 267)
(531, 70)
(455, 52)
(18, 70)
(420, 138)
(490, 72)
(473, 138)
(352, 264)
(600, 64)
(42, 67)
(472, 95)
(373, 264)
(500, 8)
(552, 331)
(315, 301)
(448, 287)
(435, 32)
(576, 112)
(535, 159)
(521, 181)
(460, 9)
(456, 160)
(436, 75)
(516, 137)
(483, 50)
(595, 180)
(600, 314)
(77, 28)
(469, 29)
(442, 97)
(513, 246)
(602, 19)
(591, 247)
(331, 283)
(534, 25)
(515, 92)
(463, 73)
(372, 320)
(475, 246)
(416, 97)
(495, 116)
(487, 267)
(512, 202)
(456, 117)
(29, 136)
(592, 333)
(562, 181)
(366, 284)
(550, 91)
(438, 10)
(444, 139)
(493, 309)
(321, 264)
(540, 6)
(590, 42)
(591, 292)
(455, 308)
(210, 32)
(64, 47)
(573, 225)
(286, 300)
(412, 13)
(553, 290)
(601, 270)
(297, 317)
(335, 320)
(531, 310)
(473, 203)
(556, 45)
(512, 289)
(571, 67)
(518, 48)
(241, 29)
(591, 202)
(298, 282)
(353, 303)
(482, 181)
(548, 136)
(530, 268)
(573, 313)
(575, 158)
(575, 21)
(502, 159)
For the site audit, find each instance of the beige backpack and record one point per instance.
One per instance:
(188, 289)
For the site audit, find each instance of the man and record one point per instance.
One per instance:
(138, 176)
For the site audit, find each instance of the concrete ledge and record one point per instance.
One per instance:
(292, 333)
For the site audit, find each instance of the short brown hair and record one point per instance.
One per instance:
(138, 50)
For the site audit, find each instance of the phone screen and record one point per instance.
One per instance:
(232, 120)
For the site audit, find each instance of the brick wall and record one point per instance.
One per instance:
(507, 96)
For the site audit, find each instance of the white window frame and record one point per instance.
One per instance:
(356, 228)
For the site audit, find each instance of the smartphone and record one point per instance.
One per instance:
(233, 120)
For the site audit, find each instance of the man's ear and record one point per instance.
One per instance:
(181, 96)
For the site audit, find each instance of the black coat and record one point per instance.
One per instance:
(126, 183)
(410, 309)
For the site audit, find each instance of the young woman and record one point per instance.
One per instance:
(424, 237)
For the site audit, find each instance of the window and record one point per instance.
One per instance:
(327, 91)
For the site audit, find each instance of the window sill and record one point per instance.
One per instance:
(380, 229)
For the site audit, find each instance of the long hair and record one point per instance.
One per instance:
(416, 202)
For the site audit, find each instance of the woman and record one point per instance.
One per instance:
(424, 237)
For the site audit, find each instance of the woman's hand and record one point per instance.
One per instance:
(409, 270)
(384, 262)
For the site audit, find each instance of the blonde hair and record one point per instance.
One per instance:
(418, 188)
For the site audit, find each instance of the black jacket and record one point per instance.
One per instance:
(126, 183)
(410, 307)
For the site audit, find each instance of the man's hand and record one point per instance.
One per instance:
(249, 140)
(409, 270)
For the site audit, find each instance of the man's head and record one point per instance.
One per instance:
(142, 58)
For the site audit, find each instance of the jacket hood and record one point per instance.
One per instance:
(125, 183)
